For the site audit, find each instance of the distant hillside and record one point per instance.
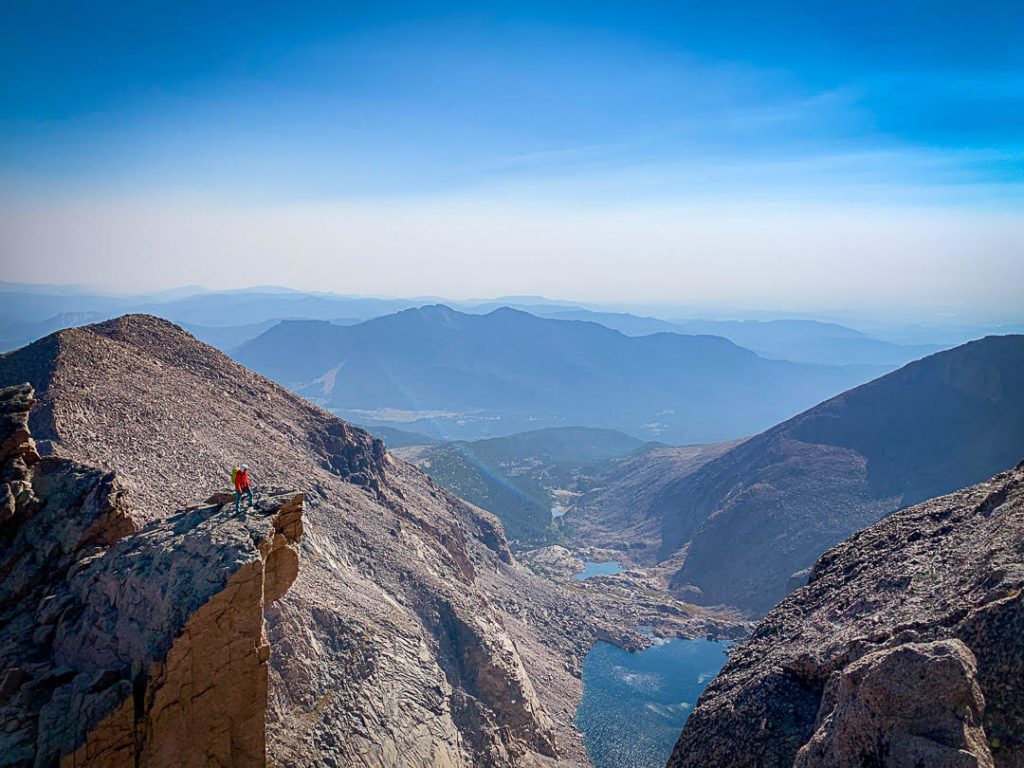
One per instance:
(772, 505)
(801, 341)
(521, 478)
(482, 375)
(400, 438)
(811, 341)
(614, 507)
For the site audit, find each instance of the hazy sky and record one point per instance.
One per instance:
(777, 154)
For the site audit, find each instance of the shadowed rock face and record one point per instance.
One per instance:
(906, 648)
(125, 644)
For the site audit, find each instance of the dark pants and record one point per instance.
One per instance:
(238, 498)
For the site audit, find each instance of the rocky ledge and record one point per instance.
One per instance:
(906, 648)
(123, 644)
(631, 608)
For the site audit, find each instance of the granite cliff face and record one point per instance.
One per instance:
(410, 636)
(906, 648)
(123, 643)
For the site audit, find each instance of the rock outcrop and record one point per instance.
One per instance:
(913, 705)
(905, 648)
(127, 643)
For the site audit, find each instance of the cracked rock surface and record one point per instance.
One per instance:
(128, 643)
(905, 648)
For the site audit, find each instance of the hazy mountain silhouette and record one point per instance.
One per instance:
(402, 438)
(801, 341)
(25, 304)
(509, 371)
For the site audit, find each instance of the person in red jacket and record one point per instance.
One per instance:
(242, 485)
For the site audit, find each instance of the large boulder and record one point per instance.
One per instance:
(918, 704)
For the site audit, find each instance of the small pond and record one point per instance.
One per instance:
(591, 568)
(635, 704)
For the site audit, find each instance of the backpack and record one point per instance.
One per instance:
(234, 474)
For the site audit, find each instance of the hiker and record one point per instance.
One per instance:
(240, 477)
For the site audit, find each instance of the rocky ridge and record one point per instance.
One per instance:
(904, 649)
(125, 643)
(411, 634)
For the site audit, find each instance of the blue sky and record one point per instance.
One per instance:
(586, 108)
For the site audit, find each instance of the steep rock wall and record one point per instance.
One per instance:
(905, 648)
(123, 645)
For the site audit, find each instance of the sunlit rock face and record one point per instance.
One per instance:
(123, 643)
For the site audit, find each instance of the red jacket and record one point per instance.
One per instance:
(241, 480)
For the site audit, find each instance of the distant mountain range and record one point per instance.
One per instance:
(745, 522)
(525, 479)
(229, 308)
(458, 375)
(229, 318)
(802, 341)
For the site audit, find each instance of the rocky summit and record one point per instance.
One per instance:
(410, 636)
(904, 650)
(124, 643)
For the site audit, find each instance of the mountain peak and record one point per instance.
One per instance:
(392, 556)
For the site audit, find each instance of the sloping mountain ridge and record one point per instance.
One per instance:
(508, 371)
(904, 649)
(521, 478)
(766, 509)
(740, 526)
(410, 630)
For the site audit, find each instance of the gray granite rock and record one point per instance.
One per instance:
(121, 644)
(908, 640)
